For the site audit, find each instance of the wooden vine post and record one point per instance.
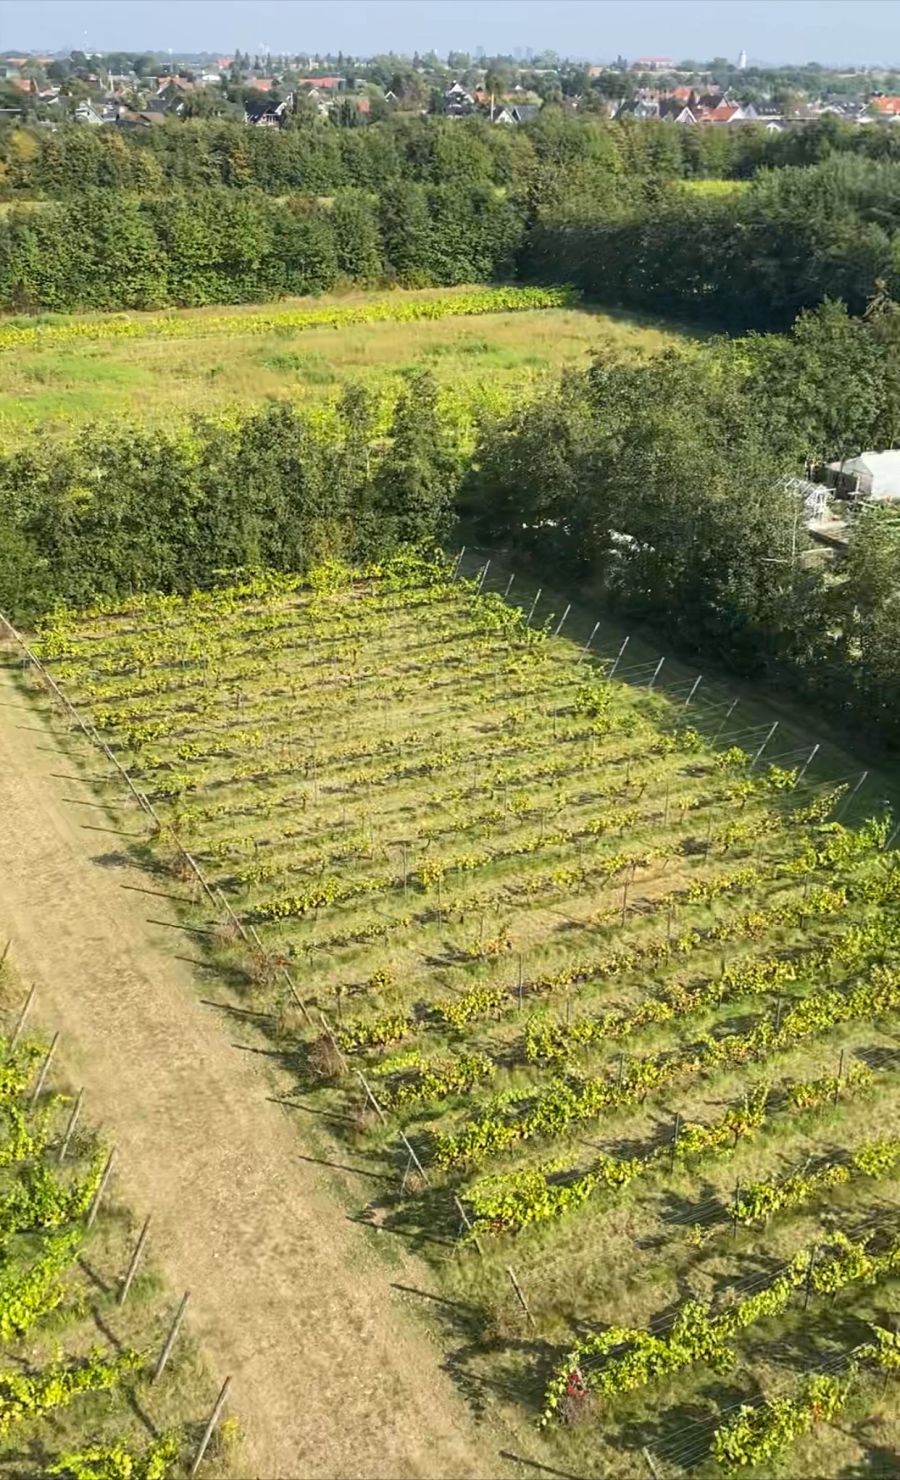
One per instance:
(520, 1297)
(210, 1428)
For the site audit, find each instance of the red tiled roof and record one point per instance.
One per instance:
(721, 114)
(886, 105)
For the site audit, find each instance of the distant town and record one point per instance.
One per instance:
(140, 90)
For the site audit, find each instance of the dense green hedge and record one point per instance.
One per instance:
(752, 260)
(107, 251)
(128, 509)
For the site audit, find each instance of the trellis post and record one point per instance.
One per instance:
(764, 744)
(694, 687)
(656, 672)
(559, 625)
(618, 658)
(583, 652)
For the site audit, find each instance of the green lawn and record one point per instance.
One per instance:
(218, 364)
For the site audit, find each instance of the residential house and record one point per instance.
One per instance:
(457, 102)
(86, 112)
(131, 118)
(639, 107)
(887, 107)
(723, 113)
(324, 84)
(324, 101)
(675, 111)
(516, 113)
(268, 115)
(170, 95)
(708, 101)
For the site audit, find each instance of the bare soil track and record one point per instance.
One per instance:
(331, 1377)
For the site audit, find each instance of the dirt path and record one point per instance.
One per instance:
(331, 1377)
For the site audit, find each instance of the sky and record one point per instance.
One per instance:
(855, 32)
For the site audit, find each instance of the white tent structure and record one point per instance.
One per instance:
(877, 474)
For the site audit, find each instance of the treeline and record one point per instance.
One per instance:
(747, 258)
(108, 251)
(317, 158)
(662, 486)
(750, 260)
(127, 509)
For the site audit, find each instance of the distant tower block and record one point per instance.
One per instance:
(742, 62)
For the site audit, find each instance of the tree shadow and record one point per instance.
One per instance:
(116, 859)
(682, 1434)
(519, 1367)
(879, 1461)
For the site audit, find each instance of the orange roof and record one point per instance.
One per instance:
(683, 94)
(721, 114)
(886, 105)
(22, 83)
(326, 82)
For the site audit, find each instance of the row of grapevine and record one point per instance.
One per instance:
(531, 903)
(52, 1182)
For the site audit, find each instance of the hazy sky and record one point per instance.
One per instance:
(853, 31)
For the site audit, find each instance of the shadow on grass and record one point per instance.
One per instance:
(681, 1435)
(879, 1461)
(541, 1469)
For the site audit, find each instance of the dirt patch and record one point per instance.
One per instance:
(331, 1377)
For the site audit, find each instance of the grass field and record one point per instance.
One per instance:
(715, 188)
(604, 958)
(76, 1368)
(230, 358)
